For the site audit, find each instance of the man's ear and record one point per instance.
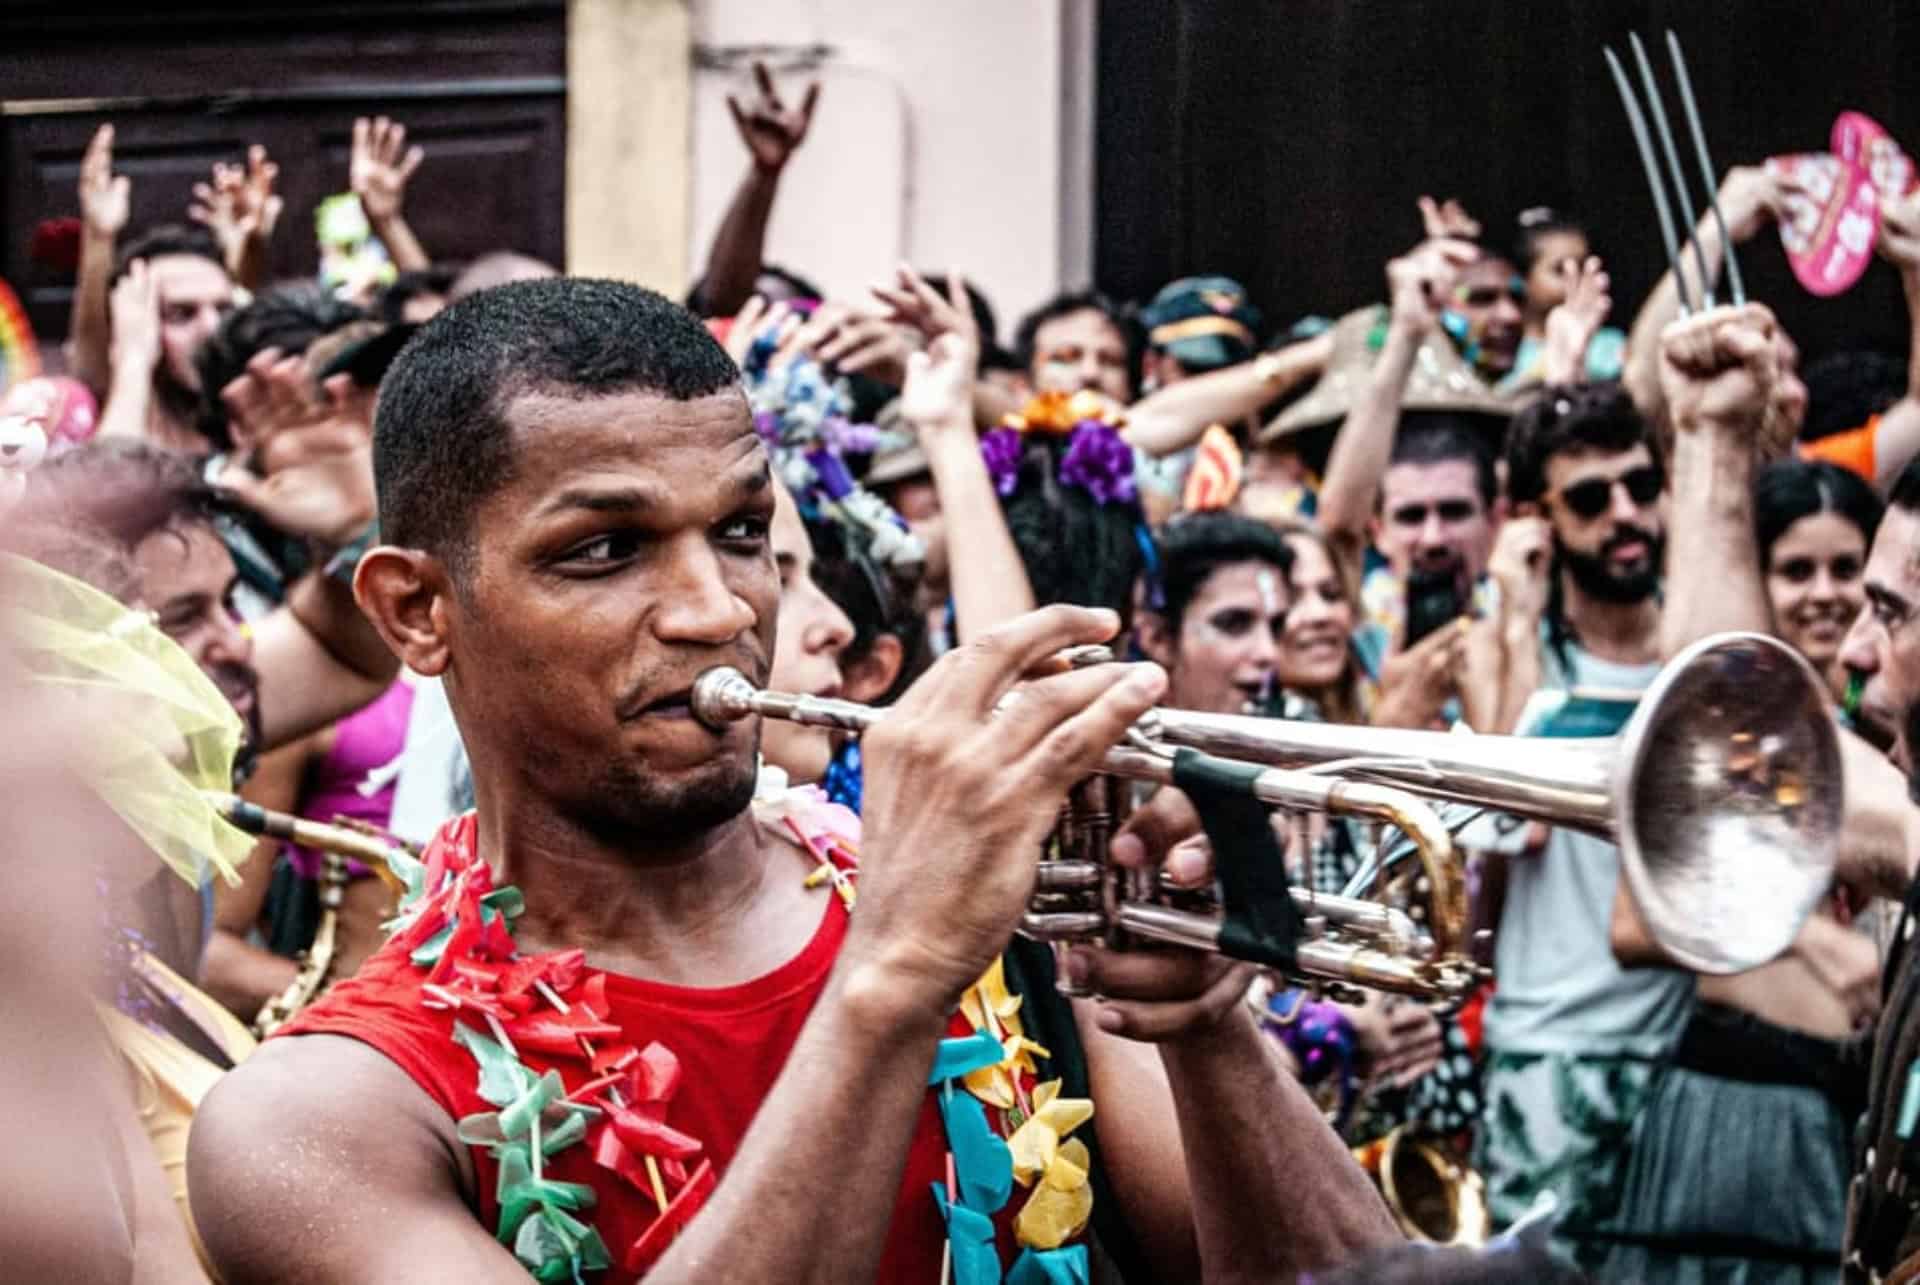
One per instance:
(405, 593)
(869, 678)
(1155, 635)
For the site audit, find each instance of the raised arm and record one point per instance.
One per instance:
(1717, 373)
(240, 209)
(1750, 198)
(772, 132)
(1418, 282)
(377, 171)
(318, 655)
(1898, 438)
(104, 201)
(961, 787)
(989, 581)
(136, 350)
(1173, 418)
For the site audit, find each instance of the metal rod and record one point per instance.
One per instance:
(1638, 125)
(1709, 176)
(1664, 132)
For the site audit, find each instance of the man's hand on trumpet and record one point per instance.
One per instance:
(1161, 993)
(962, 786)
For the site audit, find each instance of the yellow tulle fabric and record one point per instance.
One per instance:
(152, 731)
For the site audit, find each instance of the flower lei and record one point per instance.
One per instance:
(1096, 459)
(459, 927)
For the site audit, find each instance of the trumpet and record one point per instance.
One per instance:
(1723, 794)
(1080, 897)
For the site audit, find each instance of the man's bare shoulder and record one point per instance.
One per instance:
(294, 1151)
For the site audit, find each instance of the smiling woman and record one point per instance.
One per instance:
(1813, 523)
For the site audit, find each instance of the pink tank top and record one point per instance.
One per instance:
(363, 742)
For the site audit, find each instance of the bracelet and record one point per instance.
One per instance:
(346, 560)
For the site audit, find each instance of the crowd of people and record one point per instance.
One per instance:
(636, 993)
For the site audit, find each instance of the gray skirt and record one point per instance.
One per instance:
(1729, 1182)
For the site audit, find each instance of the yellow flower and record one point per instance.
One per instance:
(1036, 1143)
(1059, 1207)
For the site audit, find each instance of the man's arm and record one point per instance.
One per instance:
(136, 350)
(772, 132)
(989, 582)
(318, 655)
(234, 971)
(377, 172)
(1897, 440)
(1213, 1148)
(240, 209)
(1173, 418)
(103, 214)
(1750, 198)
(1419, 282)
(1718, 372)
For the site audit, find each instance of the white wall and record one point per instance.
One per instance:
(948, 134)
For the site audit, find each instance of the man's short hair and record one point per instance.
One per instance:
(1437, 437)
(125, 489)
(441, 440)
(1597, 417)
(1195, 545)
(169, 238)
(1066, 305)
(288, 317)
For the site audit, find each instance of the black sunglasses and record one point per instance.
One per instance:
(1589, 499)
(1450, 511)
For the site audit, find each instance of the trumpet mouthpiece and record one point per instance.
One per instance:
(721, 696)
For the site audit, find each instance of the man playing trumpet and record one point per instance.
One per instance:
(668, 1050)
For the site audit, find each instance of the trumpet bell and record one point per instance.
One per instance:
(1727, 784)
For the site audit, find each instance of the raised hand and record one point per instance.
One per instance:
(104, 195)
(963, 785)
(1447, 220)
(1899, 242)
(1416, 683)
(1718, 370)
(1752, 196)
(136, 323)
(380, 165)
(1420, 280)
(305, 462)
(1521, 564)
(1572, 325)
(771, 130)
(239, 206)
(939, 387)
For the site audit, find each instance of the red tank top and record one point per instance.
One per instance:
(731, 1044)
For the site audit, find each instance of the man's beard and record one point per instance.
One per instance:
(1597, 577)
(636, 809)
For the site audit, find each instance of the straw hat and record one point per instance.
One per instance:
(1440, 380)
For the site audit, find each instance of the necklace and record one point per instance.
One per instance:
(458, 927)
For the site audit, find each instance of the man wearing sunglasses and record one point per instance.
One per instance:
(1573, 1039)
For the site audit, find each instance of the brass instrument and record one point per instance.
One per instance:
(1723, 794)
(1082, 898)
(1432, 1194)
(337, 843)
